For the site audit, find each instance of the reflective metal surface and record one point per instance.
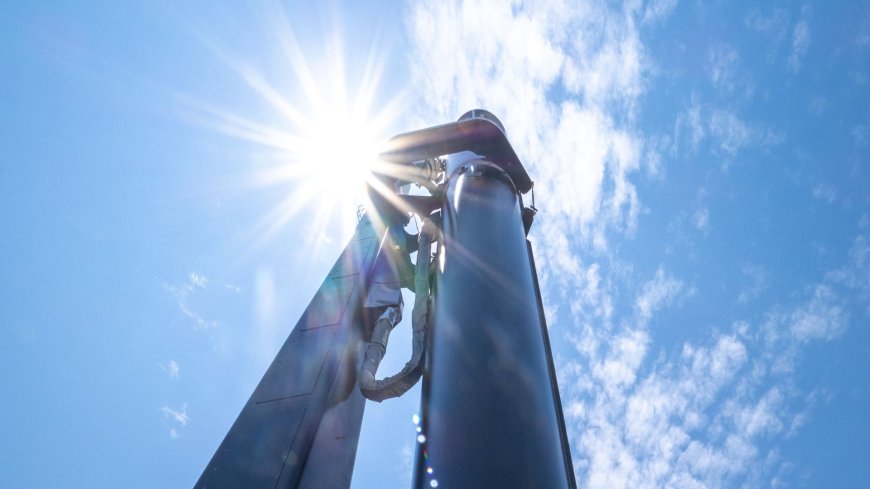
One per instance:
(301, 426)
(489, 415)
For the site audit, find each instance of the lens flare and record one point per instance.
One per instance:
(322, 135)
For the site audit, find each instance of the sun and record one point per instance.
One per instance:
(326, 156)
(326, 138)
(336, 151)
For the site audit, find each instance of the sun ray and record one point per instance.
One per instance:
(325, 139)
(282, 31)
(256, 81)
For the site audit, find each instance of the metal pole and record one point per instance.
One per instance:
(489, 414)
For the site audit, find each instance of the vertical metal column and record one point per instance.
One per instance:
(489, 414)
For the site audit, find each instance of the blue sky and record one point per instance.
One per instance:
(701, 170)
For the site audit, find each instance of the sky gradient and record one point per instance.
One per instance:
(169, 204)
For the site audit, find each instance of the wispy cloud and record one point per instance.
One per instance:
(723, 65)
(722, 61)
(508, 58)
(197, 280)
(773, 25)
(860, 135)
(178, 417)
(824, 192)
(862, 38)
(710, 415)
(182, 294)
(567, 79)
(690, 120)
(171, 368)
(658, 10)
(701, 219)
(655, 294)
(726, 131)
(757, 278)
(232, 288)
(800, 42)
(822, 318)
(730, 130)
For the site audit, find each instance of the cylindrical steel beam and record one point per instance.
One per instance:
(489, 414)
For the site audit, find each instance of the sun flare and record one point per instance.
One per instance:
(336, 151)
(326, 139)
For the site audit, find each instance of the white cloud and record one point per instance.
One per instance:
(508, 58)
(198, 280)
(726, 73)
(862, 38)
(825, 192)
(733, 134)
(722, 62)
(657, 293)
(177, 416)
(565, 78)
(658, 10)
(233, 288)
(554, 73)
(855, 274)
(701, 219)
(690, 118)
(860, 135)
(774, 26)
(726, 131)
(183, 293)
(648, 436)
(201, 323)
(758, 278)
(703, 418)
(800, 42)
(172, 369)
(822, 318)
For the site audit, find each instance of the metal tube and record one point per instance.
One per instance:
(398, 384)
(489, 414)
